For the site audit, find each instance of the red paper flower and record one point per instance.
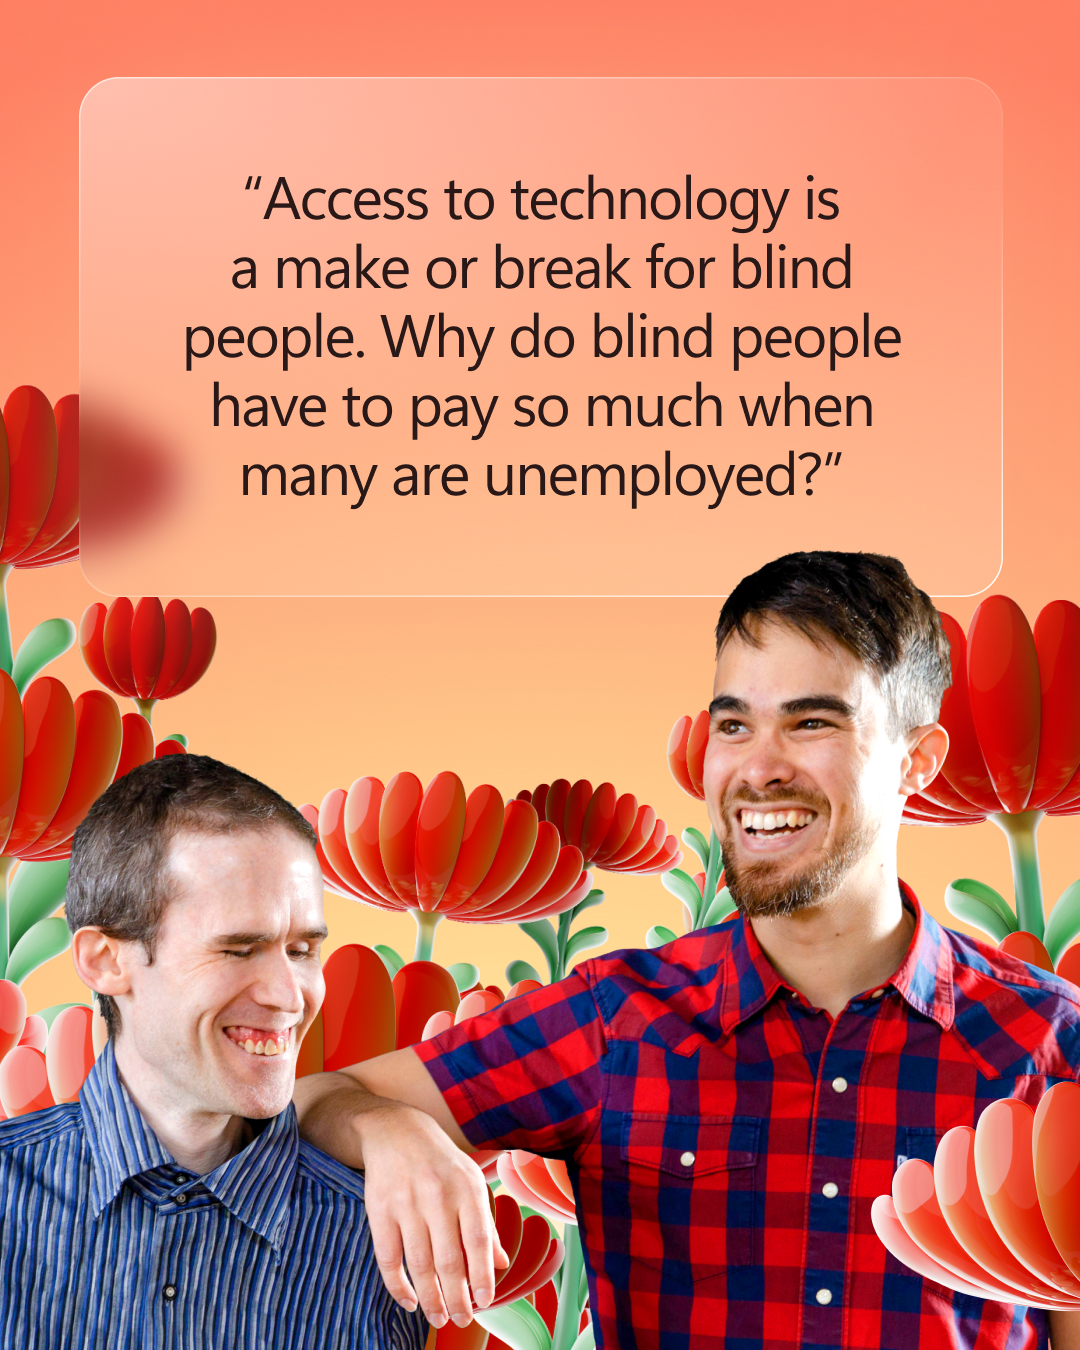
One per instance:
(39, 481)
(145, 652)
(612, 832)
(1012, 714)
(438, 854)
(56, 758)
(686, 753)
(542, 1184)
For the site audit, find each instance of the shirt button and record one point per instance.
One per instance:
(877, 993)
(687, 1160)
(824, 1296)
(181, 1199)
(169, 1291)
(830, 1190)
(838, 1085)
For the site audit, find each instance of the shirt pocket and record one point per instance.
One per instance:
(690, 1192)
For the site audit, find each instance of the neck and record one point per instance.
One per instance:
(198, 1140)
(851, 942)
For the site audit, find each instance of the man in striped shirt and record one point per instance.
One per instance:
(174, 1205)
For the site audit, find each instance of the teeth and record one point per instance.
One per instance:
(274, 1044)
(775, 820)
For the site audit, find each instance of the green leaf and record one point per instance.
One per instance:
(518, 1324)
(593, 898)
(46, 939)
(464, 974)
(36, 892)
(176, 736)
(981, 906)
(1064, 922)
(721, 907)
(586, 1340)
(517, 971)
(683, 888)
(390, 959)
(583, 939)
(543, 934)
(41, 645)
(48, 1015)
(658, 936)
(695, 840)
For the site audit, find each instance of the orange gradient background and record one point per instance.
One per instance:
(912, 168)
(310, 694)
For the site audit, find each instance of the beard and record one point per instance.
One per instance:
(763, 889)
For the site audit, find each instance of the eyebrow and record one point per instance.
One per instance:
(254, 939)
(792, 708)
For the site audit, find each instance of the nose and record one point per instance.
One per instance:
(281, 982)
(766, 764)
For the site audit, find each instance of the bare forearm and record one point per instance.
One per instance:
(1064, 1331)
(330, 1110)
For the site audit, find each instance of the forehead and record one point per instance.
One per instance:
(270, 874)
(783, 663)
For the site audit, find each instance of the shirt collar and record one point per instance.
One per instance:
(255, 1185)
(924, 978)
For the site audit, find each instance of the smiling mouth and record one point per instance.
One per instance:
(259, 1041)
(775, 824)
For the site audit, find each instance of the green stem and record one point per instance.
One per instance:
(426, 923)
(146, 707)
(712, 875)
(6, 865)
(569, 1314)
(565, 920)
(7, 655)
(1019, 829)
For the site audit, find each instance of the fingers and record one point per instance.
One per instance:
(450, 1270)
(421, 1265)
(386, 1243)
(479, 1239)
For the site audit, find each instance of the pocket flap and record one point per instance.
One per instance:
(690, 1146)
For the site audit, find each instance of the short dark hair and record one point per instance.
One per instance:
(865, 602)
(120, 851)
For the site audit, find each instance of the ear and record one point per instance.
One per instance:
(101, 962)
(925, 754)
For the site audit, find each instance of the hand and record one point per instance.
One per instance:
(427, 1202)
(428, 1206)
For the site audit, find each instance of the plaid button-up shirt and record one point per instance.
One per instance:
(725, 1140)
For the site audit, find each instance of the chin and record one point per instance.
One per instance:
(261, 1100)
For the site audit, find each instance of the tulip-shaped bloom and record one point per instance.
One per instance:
(1013, 718)
(39, 497)
(39, 480)
(56, 758)
(613, 833)
(145, 652)
(998, 1214)
(439, 855)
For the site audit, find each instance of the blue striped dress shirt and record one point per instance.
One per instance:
(106, 1243)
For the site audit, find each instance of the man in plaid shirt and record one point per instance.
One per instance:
(729, 1105)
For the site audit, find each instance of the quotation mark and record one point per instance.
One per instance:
(248, 184)
(828, 458)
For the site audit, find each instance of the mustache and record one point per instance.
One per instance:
(748, 797)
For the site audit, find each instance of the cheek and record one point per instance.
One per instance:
(717, 770)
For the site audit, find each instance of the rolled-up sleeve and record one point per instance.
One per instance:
(528, 1074)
